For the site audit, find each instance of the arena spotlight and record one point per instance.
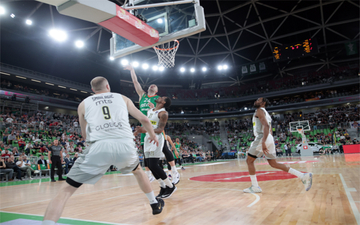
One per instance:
(155, 68)
(204, 69)
(28, 22)
(225, 67)
(182, 69)
(159, 20)
(124, 62)
(58, 35)
(12, 15)
(145, 66)
(192, 70)
(79, 44)
(220, 67)
(161, 68)
(135, 64)
(2, 10)
(112, 58)
(245, 108)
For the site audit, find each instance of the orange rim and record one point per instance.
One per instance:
(168, 49)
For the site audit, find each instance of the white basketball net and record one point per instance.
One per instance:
(166, 53)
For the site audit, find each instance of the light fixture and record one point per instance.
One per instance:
(61, 86)
(2, 10)
(73, 89)
(112, 58)
(225, 67)
(49, 84)
(79, 44)
(155, 68)
(220, 67)
(161, 68)
(159, 20)
(145, 66)
(204, 69)
(7, 74)
(58, 35)
(135, 64)
(192, 70)
(245, 108)
(21, 77)
(46, 107)
(12, 15)
(84, 92)
(124, 62)
(182, 69)
(28, 22)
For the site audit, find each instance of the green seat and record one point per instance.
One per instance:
(34, 167)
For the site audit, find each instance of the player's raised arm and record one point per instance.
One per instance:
(137, 85)
(162, 122)
(261, 115)
(83, 123)
(133, 111)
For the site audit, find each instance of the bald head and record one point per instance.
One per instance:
(100, 84)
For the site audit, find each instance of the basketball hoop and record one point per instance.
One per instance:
(166, 53)
(300, 131)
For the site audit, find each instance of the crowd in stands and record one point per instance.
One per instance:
(278, 101)
(332, 121)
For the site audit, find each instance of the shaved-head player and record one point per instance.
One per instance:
(104, 122)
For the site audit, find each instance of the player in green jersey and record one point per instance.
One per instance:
(147, 101)
(176, 152)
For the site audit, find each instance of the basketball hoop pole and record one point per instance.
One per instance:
(159, 4)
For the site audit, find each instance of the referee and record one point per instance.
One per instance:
(56, 159)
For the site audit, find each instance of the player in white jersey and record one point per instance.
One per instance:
(264, 144)
(158, 118)
(104, 122)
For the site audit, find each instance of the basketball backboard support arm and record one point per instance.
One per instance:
(199, 27)
(159, 4)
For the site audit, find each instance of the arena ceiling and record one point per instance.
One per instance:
(238, 33)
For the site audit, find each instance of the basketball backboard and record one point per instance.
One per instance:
(294, 126)
(176, 20)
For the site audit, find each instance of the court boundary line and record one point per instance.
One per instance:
(350, 198)
(67, 218)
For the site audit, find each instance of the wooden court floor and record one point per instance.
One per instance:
(211, 193)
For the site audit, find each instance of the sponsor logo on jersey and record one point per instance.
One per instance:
(109, 126)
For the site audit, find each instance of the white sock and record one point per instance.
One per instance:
(148, 173)
(48, 222)
(162, 184)
(168, 182)
(254, 181)
(173, 169)
(296, 173)
(151, 197)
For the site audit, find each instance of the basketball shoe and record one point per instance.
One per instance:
(157, 207)
(176, 178)
(162, 191)
(307, 180)
(253, 189)
(168, 192)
